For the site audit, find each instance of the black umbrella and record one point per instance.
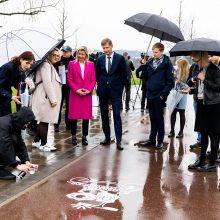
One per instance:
(37, 64)
(156, 26)
(185, 48)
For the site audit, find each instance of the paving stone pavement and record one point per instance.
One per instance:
(97, 182)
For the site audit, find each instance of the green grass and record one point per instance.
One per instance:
(134, 79)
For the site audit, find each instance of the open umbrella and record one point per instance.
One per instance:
(185, 48)
(156, 26)
(31, 74)
(14, 42)
(36, 65)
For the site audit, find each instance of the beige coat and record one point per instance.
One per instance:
(47, 92)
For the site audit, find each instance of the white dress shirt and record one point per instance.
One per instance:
(106, 60)
(82, 67)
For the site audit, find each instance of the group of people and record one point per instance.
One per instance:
(112, 73)
(202, 80)
(46, 101)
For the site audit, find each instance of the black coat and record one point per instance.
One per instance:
(211, 85)
(139, 74)
(64, 61)
(9, 76)
(11, 142)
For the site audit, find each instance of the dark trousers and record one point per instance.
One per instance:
(182, 119)
(85, 127)
(127, 94)
(214, 143)
(41, 134)
(144, 98)
(116, 107)
(65, 98)
(156, 107)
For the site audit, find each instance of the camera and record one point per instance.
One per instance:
(195, 78)
(142, 55)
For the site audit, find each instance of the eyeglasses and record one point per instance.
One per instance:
(55, 55)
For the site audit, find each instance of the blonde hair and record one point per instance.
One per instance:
(50, 55)
(83, 48)
(183, 69)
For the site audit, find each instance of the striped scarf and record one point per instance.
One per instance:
(157, 62)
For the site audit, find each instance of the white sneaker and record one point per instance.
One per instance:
(36, 144)
(47, 148)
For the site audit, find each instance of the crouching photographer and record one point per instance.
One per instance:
(12, 144)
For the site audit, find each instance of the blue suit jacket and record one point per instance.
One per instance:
(116, 79)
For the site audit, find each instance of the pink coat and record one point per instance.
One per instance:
(80, 107)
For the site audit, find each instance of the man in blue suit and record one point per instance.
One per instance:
(111, 76)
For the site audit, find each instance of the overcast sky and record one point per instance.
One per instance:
(98, 19)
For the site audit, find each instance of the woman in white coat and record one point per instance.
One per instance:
(46, 100)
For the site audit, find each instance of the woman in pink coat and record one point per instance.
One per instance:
(81, 80)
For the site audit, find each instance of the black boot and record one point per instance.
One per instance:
(195, 165)
(171, 134)
(74, 140)
(207, 168)
(180, 135)
(84, 141)
(6, 175)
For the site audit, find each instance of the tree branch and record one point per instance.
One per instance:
(30, 8)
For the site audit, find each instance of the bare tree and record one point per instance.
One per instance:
(64, 27)
(192, 32)
(27, 7)
(187, 28)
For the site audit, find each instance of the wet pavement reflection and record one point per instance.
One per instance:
(104, 183)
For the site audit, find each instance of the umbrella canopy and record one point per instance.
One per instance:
(155, 25)
(14, 42)
(185, 48)
(37, 64)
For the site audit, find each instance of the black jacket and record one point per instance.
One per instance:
(159, 81)
(11, 142)
(139, 74)
(212, 85)
(64, 61)
(9, 76)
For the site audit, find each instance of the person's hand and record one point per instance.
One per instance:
(84, 92)
(87, 91)
(201, 76)
(161, 98)
(184, 90)
(193, 80)
(16, 99)
(29, 164)
(23, 167)
(53, 104)
(80, 92)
